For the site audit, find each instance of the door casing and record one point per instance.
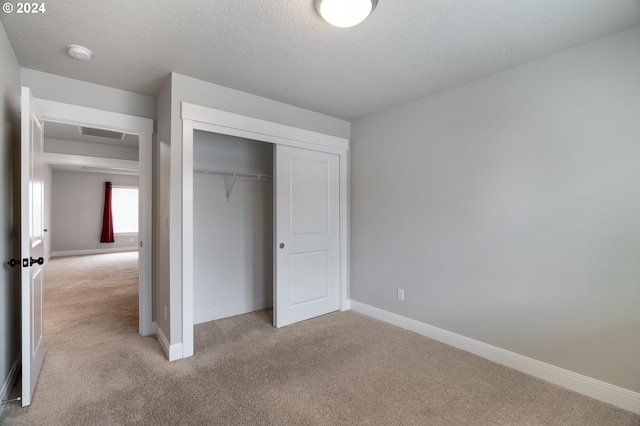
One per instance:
(143, 128)
(196, 117)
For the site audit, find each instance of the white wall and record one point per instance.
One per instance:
(508, 210)
(233, 244)
(9, 211)
(77, 206)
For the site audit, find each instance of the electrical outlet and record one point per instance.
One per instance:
(165, 312)
(400, 294)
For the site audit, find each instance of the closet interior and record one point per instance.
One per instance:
(233, 225)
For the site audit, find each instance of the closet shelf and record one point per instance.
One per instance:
(234, 175)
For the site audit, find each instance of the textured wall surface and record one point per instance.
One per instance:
(76, 213)
(181, 89)
(233, 241)
(9, 237)
(78, 92)
(508, 210)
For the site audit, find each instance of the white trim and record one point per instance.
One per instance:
(142, 127)
(344, 231)
(61, 253)
(257, 128)
(145, 231)
(233, 310)
(7, 386)
(585, 385)
(106, 120)
(276, 140)
(188, 314)
(162, 339)
(54, 158)
(172, 352)
(195, 117)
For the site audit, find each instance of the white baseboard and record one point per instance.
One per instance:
(588, 386)
(346, 306)
(233, 310)
(92, 251)
(172, 352)
(149, 330)
(7, 386)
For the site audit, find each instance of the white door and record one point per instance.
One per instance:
(307, 236)
(31, 245)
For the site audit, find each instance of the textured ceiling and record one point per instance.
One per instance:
(282, 50)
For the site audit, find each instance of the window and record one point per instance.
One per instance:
(124, 205)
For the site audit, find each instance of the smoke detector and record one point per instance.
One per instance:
(79, 52)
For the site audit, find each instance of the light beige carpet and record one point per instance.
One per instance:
(339, 369)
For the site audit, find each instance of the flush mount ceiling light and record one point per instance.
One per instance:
(79, 52)
(345, 13)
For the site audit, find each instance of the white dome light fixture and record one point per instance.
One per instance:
(79, 52)
(345, 13)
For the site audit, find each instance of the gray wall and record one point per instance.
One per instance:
(75, 92)
(508, 210)
(9, 235)
(84, 240)
(185, 89)
(233, 245)
(61, 89)
(51, 87)
(161, 196)
(76, 211)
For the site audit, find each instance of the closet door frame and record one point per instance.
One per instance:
(196, 117)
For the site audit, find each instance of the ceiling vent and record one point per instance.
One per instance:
(89, 131)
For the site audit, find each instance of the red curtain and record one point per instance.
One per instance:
(107, 216)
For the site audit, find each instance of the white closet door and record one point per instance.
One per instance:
(307, 234)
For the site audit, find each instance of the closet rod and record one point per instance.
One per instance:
(234, 174)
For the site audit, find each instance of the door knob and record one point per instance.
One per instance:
(281, 245)
(39, 261)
